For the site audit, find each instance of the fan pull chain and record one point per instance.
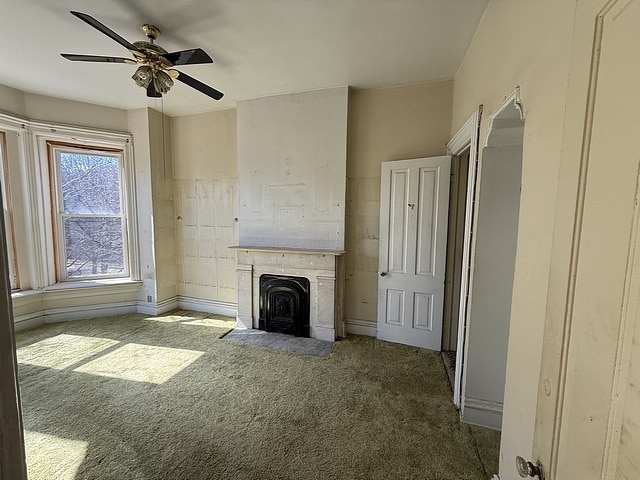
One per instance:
(164, 158)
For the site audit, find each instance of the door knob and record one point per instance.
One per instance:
(527, 469)
(382, 274)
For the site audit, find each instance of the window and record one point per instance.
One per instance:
(90, 220)
(8, 213)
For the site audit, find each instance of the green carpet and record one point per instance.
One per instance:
(136, 397)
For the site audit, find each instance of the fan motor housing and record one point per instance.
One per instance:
(151, 31)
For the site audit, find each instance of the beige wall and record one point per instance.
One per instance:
(58, 110)
(525, 44)
(138, 123)
(205, 192)
(163, 205)
(155, 205)
(40, 107)
(12, 101)
(386, 124)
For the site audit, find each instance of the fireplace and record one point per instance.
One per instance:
(284, 305)
(288, 275)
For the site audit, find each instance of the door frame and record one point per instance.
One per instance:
(465, 138)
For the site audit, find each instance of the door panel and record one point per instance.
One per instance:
(413, 233)
(398, 225)
(395, 307)
(423, 311)
(427, 226)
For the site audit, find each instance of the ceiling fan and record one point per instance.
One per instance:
(155, 71)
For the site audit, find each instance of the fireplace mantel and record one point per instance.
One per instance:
(322, 267)
(305, 251)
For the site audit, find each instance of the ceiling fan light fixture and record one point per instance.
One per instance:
(162, 81)
(143, 76)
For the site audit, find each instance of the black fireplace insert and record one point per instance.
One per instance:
(284, 305)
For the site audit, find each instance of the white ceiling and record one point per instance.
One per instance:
(260, 47)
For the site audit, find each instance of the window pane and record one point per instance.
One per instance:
(90, 184)
(93, 246)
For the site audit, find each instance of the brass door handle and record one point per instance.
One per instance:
(527, 469)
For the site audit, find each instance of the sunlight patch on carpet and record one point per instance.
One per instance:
(141, 363)
(212, 322)
(170, 319)
(62, 351)
(53, 457)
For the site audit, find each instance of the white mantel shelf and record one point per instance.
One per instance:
(305, 251)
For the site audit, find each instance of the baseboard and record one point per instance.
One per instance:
(362, 327)
(228, 309)
(485, 413)
(155, 309)
(28, 321)
(83, 312)
(324, 334)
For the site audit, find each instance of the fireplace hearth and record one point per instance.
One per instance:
(284, 305)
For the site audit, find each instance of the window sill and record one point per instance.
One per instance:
(92, 287)
(74, 300)
(67, 289)
(24, 293)
(105, 282)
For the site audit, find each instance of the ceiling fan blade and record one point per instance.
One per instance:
(104, 29)
(97, 58)
(188, 57)
(152, 92)
(198, 85)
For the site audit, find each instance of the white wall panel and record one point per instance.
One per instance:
(292, 153)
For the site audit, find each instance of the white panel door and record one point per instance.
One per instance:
(413, 235)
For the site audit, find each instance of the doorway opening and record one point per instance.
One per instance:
(492, 267)
(454, 268)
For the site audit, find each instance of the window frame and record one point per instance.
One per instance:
(7, 206)
(54, 151)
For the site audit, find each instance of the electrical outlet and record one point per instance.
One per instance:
(149, 298)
